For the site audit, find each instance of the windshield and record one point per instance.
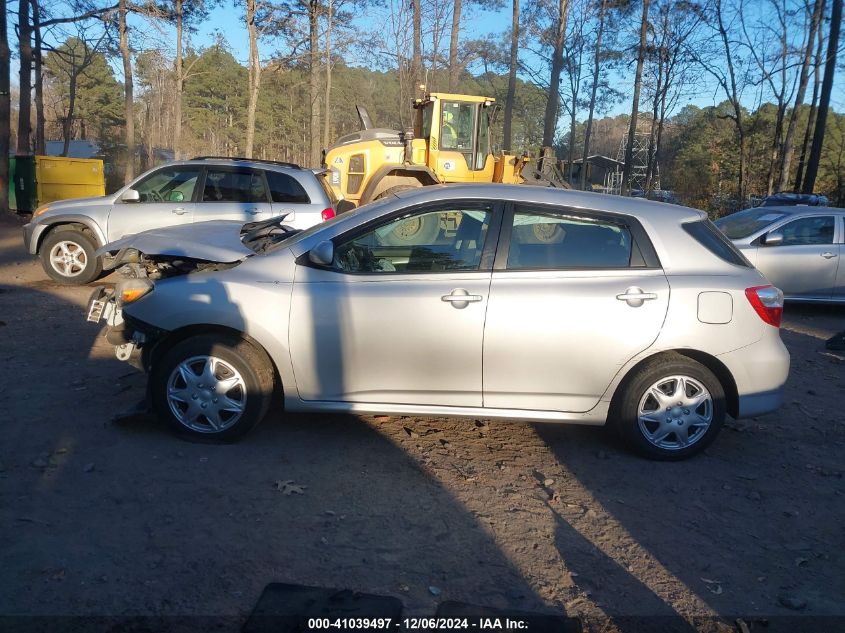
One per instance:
(744, 223)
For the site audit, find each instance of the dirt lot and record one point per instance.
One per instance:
(120, 518)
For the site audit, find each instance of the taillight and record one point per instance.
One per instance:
(327, 214)
(767, 302)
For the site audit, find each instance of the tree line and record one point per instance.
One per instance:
(558, 70)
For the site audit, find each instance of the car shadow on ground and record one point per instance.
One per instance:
(104, 519)
(742, 530)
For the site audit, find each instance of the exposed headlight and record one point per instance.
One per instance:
(40, 210)
(130, 290)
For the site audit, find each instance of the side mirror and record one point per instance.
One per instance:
(176, 196)
(773, 238)
(130, 195)
(322, 254)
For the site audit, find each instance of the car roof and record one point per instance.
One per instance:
(223, 161)
(640, 207)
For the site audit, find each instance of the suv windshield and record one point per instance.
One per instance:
(744, 223)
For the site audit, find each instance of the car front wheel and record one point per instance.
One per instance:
(213, 387)
(671, 408)
(67, 256)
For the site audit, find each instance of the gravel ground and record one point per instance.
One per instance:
(112, 518)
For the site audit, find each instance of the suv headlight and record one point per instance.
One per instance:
(130, 290)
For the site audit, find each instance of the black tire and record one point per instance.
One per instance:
(75, 246)
(422, 230)
(635, 390)
(253, 367)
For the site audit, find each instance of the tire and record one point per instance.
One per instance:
(196, 410)
(68, 257)
(647, 415)
(415, 230)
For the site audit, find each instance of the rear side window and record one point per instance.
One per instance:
(705, 233)
(284, 188)
(233, 186)
(552, 241)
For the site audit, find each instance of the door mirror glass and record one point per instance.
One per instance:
(176, 196)
(130, 195)
(773, 238)
(322, 254)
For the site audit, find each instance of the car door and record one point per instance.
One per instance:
(801, 257)
(165, 198)
(574, 296)
(399, 316)
(233, 193)
(839, 285)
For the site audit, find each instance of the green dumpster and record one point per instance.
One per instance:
(24, 190)
(12, 204)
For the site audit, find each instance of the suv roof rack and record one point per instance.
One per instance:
(250, 160)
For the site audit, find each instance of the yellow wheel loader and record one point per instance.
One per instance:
(450, 143)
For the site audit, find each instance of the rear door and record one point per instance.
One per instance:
(839, 286)
(574, 296)
(166, 198)
(805, 263)
(290, 199)
(233, 193)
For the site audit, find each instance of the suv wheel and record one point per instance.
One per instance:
(671, 408)
(211, 386)
(67, 256)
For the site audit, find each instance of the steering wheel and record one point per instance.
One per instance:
(155, 196)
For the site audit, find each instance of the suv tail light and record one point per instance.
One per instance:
(767, 302)
(327, 214)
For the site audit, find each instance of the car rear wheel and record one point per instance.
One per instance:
(212, 387)
(68, 257)
(671, 408)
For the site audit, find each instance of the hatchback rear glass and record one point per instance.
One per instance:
(706, 234)
(744, 223)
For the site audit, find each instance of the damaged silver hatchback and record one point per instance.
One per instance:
(489, 301)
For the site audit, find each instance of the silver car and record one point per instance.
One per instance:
(66, 234)
(491, 301)
(797, 248)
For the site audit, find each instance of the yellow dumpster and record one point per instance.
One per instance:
(58, 178)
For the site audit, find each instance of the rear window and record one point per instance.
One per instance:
(744, 223)
(705, 233)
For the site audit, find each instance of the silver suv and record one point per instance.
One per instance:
(488, 301)
(67, 234)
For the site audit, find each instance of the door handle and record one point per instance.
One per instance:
(828, 255)
(635, 296)
(180, 211)
(252, 210)
(460, 298)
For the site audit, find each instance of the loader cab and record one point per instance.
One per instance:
(452, 137)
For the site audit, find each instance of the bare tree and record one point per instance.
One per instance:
(254, 75)
(815, 19)
(553, 101)
(824, 100)
(416, 63)
(638, 77)
(597, 50)
(25, 79)
(454, 67)
(5, 109)
(128, 94)
(327, 123)
(721, 65)
(512, 66)
(40, 142)
(814, 102)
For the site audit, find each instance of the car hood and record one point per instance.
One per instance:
(215, 241)
(63, 206)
